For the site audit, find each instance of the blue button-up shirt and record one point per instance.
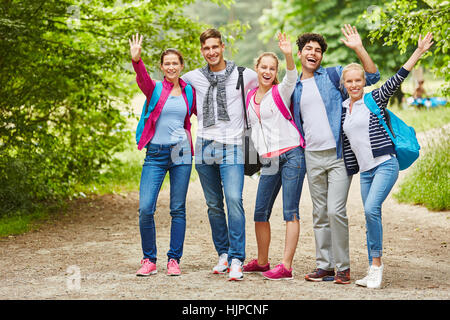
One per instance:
(332, 98)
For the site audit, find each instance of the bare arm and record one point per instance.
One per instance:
(422, 46)
(392, 84)
(287, 86)
(284, 43)
(354, 42)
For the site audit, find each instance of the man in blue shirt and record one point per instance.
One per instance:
(317, 107)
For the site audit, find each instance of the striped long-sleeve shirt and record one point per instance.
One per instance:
(380, 142)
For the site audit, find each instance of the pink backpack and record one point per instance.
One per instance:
(280, 104)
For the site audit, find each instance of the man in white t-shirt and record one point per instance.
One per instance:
(218, 150)
(317, 107)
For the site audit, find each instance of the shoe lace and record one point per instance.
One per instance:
(236, 263)
(172, 263)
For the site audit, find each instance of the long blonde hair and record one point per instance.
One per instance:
(268, 54)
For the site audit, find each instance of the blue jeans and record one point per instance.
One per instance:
(177, 160)
(290, 174)
(221, 171)
(376, 184)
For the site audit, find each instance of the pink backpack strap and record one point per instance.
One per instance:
(280, 104)
(249, 96)
(284, 111)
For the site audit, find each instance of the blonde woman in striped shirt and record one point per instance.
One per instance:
(368, 148)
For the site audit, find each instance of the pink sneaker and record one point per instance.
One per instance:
(173, 269)
(253, 266)
(148, 268)
(278, 273)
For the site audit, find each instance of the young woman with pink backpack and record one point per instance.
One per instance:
(281, 148)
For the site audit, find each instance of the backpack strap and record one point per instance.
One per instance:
(153, 100)
(336, 80)
(249, 97)
(334, 77)
(147, 108)
(285, 111)
(373, 107)
(280, 104)
(189, 96)
(240, 84)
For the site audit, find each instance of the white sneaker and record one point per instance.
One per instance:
(236, 270)
(375, 277)
(222, 265)
(363, 282)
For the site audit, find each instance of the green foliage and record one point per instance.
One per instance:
(65, 78)
(243, 15)
(427, 184)
(327, 18)
(399, 22)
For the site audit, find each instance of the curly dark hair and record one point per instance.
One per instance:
(303, 39)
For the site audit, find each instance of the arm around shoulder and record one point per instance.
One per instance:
(250, 79)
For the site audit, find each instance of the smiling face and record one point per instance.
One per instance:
(267, 68)
(354, 82)
(310, 56)
(212, 50)
(171, 67)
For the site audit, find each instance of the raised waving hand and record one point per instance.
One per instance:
(284, 43)
(135, 47)
(422, 46)
(352, 37)
(425, 43)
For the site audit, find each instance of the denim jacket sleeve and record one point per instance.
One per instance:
(371, 78)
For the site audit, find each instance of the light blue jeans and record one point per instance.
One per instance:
(376, 184)
(160, 159)
(221, 171)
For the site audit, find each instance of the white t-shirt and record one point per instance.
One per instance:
(356, 128)
(318, 135)
(227, 132)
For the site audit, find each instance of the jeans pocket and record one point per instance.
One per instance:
(294, 165)
(153, 150)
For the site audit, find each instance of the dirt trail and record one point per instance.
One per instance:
(94, 250)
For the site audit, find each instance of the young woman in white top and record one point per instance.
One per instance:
(368, 148)
(280, 145)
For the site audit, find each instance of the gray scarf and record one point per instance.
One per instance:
(219, 82)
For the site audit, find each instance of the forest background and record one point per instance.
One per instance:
(67, 85)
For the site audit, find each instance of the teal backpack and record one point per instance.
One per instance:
(403, 136)
(147, 108)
